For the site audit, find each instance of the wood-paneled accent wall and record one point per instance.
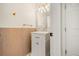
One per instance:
(15, 41)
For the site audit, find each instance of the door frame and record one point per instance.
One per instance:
(61, 38)
(63, 48)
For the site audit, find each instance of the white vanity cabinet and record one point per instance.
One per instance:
(40, 44)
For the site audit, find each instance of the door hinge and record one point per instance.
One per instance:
(65, 29)
(65, 6)
(65, 52)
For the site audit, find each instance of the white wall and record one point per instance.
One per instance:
(25, 14)
(56, 29)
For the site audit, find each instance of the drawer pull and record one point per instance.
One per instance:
(37, 37)
(37, 43)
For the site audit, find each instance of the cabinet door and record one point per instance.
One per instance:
(38, 45)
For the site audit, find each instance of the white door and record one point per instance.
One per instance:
(72, 33)
(55, 41)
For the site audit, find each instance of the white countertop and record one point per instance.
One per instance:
(40, 32)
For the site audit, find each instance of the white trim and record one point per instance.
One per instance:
(63, 29)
